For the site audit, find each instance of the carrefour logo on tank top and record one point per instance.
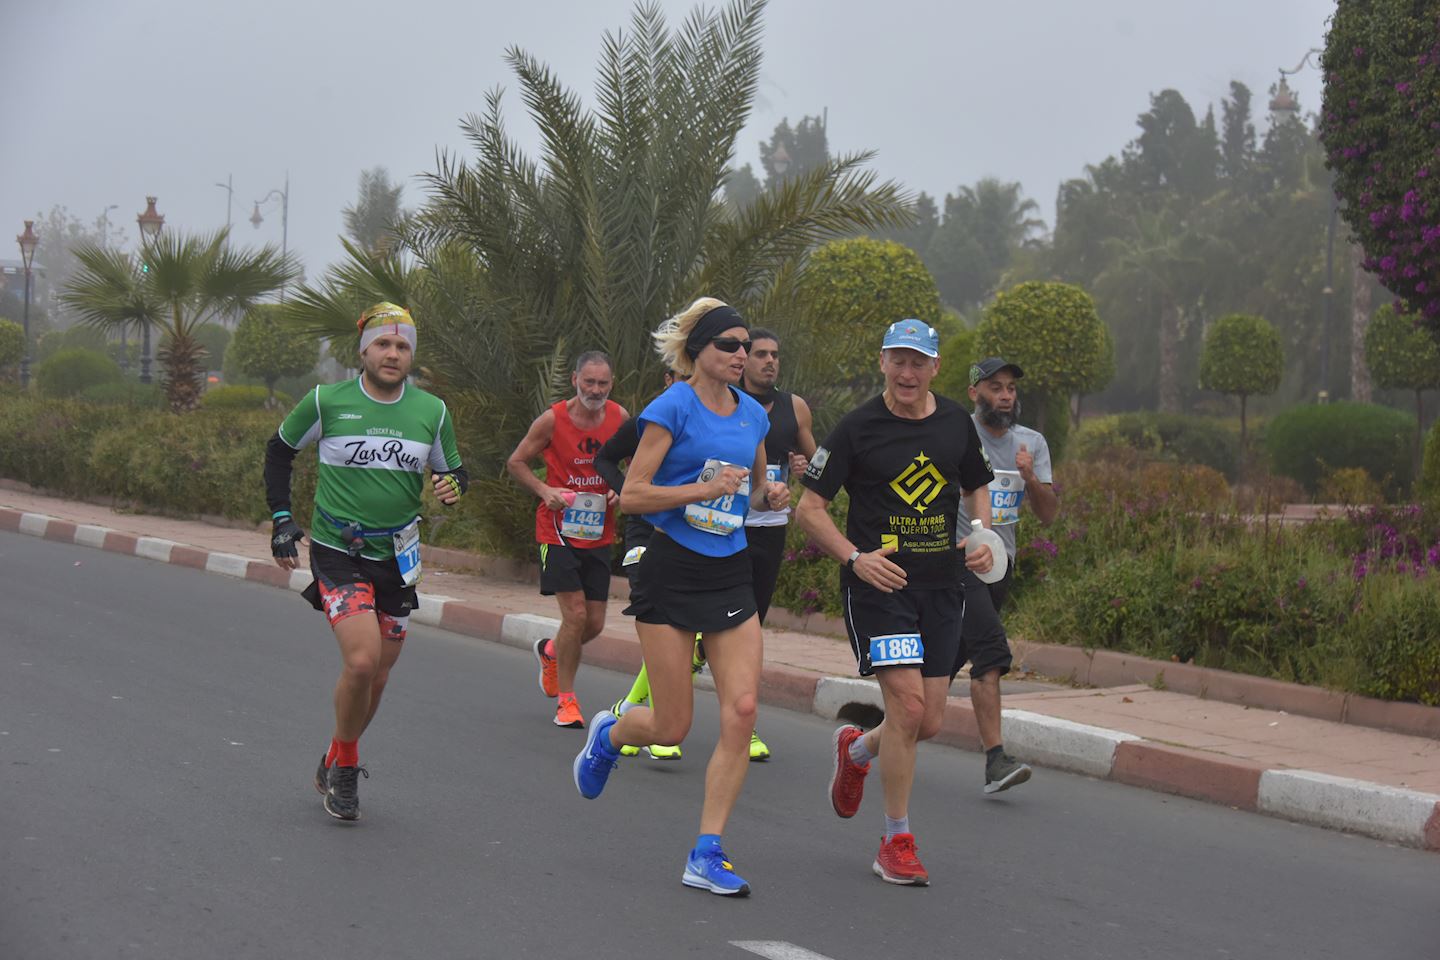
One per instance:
(382, 449)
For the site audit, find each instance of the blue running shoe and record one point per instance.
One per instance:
(595, 760)
(711, 871)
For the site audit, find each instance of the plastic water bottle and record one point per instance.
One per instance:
(980, 535)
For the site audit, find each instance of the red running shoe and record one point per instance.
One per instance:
(897, 863)
(847, 783)
(549, 681)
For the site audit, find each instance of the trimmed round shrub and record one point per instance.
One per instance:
(240, 398)
(1308, 442)
(69, 372)
(126, 393)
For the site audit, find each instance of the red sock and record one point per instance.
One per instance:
(343, 753)
(549, 648)
(564, 694)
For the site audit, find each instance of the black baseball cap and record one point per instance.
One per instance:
(990, 366)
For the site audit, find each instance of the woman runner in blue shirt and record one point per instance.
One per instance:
(699, 467)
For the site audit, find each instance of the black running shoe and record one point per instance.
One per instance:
(322, 777)
(1003, 772)
(342, 800)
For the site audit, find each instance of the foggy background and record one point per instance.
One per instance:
(109, 101)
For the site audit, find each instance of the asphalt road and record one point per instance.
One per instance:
(159, 728)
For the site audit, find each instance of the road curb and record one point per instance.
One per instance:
(1407, 817)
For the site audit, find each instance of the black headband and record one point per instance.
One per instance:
(710, 325)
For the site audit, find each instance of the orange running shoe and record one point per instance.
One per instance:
(549, 682)
(567, 713)
(847, 782)
(897, 862)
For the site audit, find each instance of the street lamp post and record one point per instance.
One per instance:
(229, 187)
(1283, 103)
(256, 219)
(150, 223)
(105, 242)
(28, 242)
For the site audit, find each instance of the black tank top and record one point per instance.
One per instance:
(783, 429)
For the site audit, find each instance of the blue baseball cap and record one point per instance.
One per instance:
(912, 335)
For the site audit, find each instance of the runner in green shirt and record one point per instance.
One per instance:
(377, 437)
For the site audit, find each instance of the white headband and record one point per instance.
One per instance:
(371, 333)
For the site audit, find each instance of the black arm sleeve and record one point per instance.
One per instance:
(621, 446)
(279, 462)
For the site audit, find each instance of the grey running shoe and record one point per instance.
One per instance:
(1003, 772)
(322, 776)
(342, 799)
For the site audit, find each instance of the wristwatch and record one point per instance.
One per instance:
(850, 561)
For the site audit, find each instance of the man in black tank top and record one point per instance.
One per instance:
(788, 448)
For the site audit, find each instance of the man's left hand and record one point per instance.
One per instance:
(980, 561)
(1025, 463)
(799, 463)
(447, 488)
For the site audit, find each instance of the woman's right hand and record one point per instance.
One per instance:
(726, 482)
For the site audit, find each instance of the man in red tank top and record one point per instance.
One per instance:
(574, 522)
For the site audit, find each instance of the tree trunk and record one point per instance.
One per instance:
(1360, 390)
(1243, 398)
(1075, 411)
(1169, 378)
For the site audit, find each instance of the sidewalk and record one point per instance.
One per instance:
(1375, 782)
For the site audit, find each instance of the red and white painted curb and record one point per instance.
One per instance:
(1407, 817)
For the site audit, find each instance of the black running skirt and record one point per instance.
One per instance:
(678, 587)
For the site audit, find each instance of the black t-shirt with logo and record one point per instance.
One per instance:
(904, 478)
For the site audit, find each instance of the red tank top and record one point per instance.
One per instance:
(570, 465)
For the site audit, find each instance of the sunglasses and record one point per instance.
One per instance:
(730, 344)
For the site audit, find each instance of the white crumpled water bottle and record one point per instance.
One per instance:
(980, 535)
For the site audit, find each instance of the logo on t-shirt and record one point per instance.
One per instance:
(590, 445)
(817, 463)
(919, 483)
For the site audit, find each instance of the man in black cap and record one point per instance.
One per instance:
(1020, 460)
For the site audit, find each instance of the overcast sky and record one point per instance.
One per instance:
(124, 98)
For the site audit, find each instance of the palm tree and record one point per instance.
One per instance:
(1159, 261)
(516, 264)
(178, 283)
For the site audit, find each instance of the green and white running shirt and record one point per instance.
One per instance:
(373, 457)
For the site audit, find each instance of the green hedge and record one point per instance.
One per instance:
(1166, 436)
(1430, 470)
(1308, 442)
(243, 398)
(129, 393)
(1146, 557)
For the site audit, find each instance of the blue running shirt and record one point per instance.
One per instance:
(698, 435)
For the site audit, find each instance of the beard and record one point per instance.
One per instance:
(593, 404)
(997, 419)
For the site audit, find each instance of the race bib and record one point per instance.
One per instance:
(407, 552)
(585, 518)
(721, 516)
(632, 556)
(774, 473)
(1007, 490)
(896, 649)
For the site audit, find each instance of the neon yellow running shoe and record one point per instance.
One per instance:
(758, 750)
(658, 752)
(697, 657)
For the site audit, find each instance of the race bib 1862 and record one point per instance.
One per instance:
(896, 649)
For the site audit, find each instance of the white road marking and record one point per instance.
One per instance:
(777, 950)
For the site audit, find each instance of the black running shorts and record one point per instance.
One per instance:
(678, 587)
(890, 622)
(566, 569)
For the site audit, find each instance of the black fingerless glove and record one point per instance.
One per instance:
(285, 534)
